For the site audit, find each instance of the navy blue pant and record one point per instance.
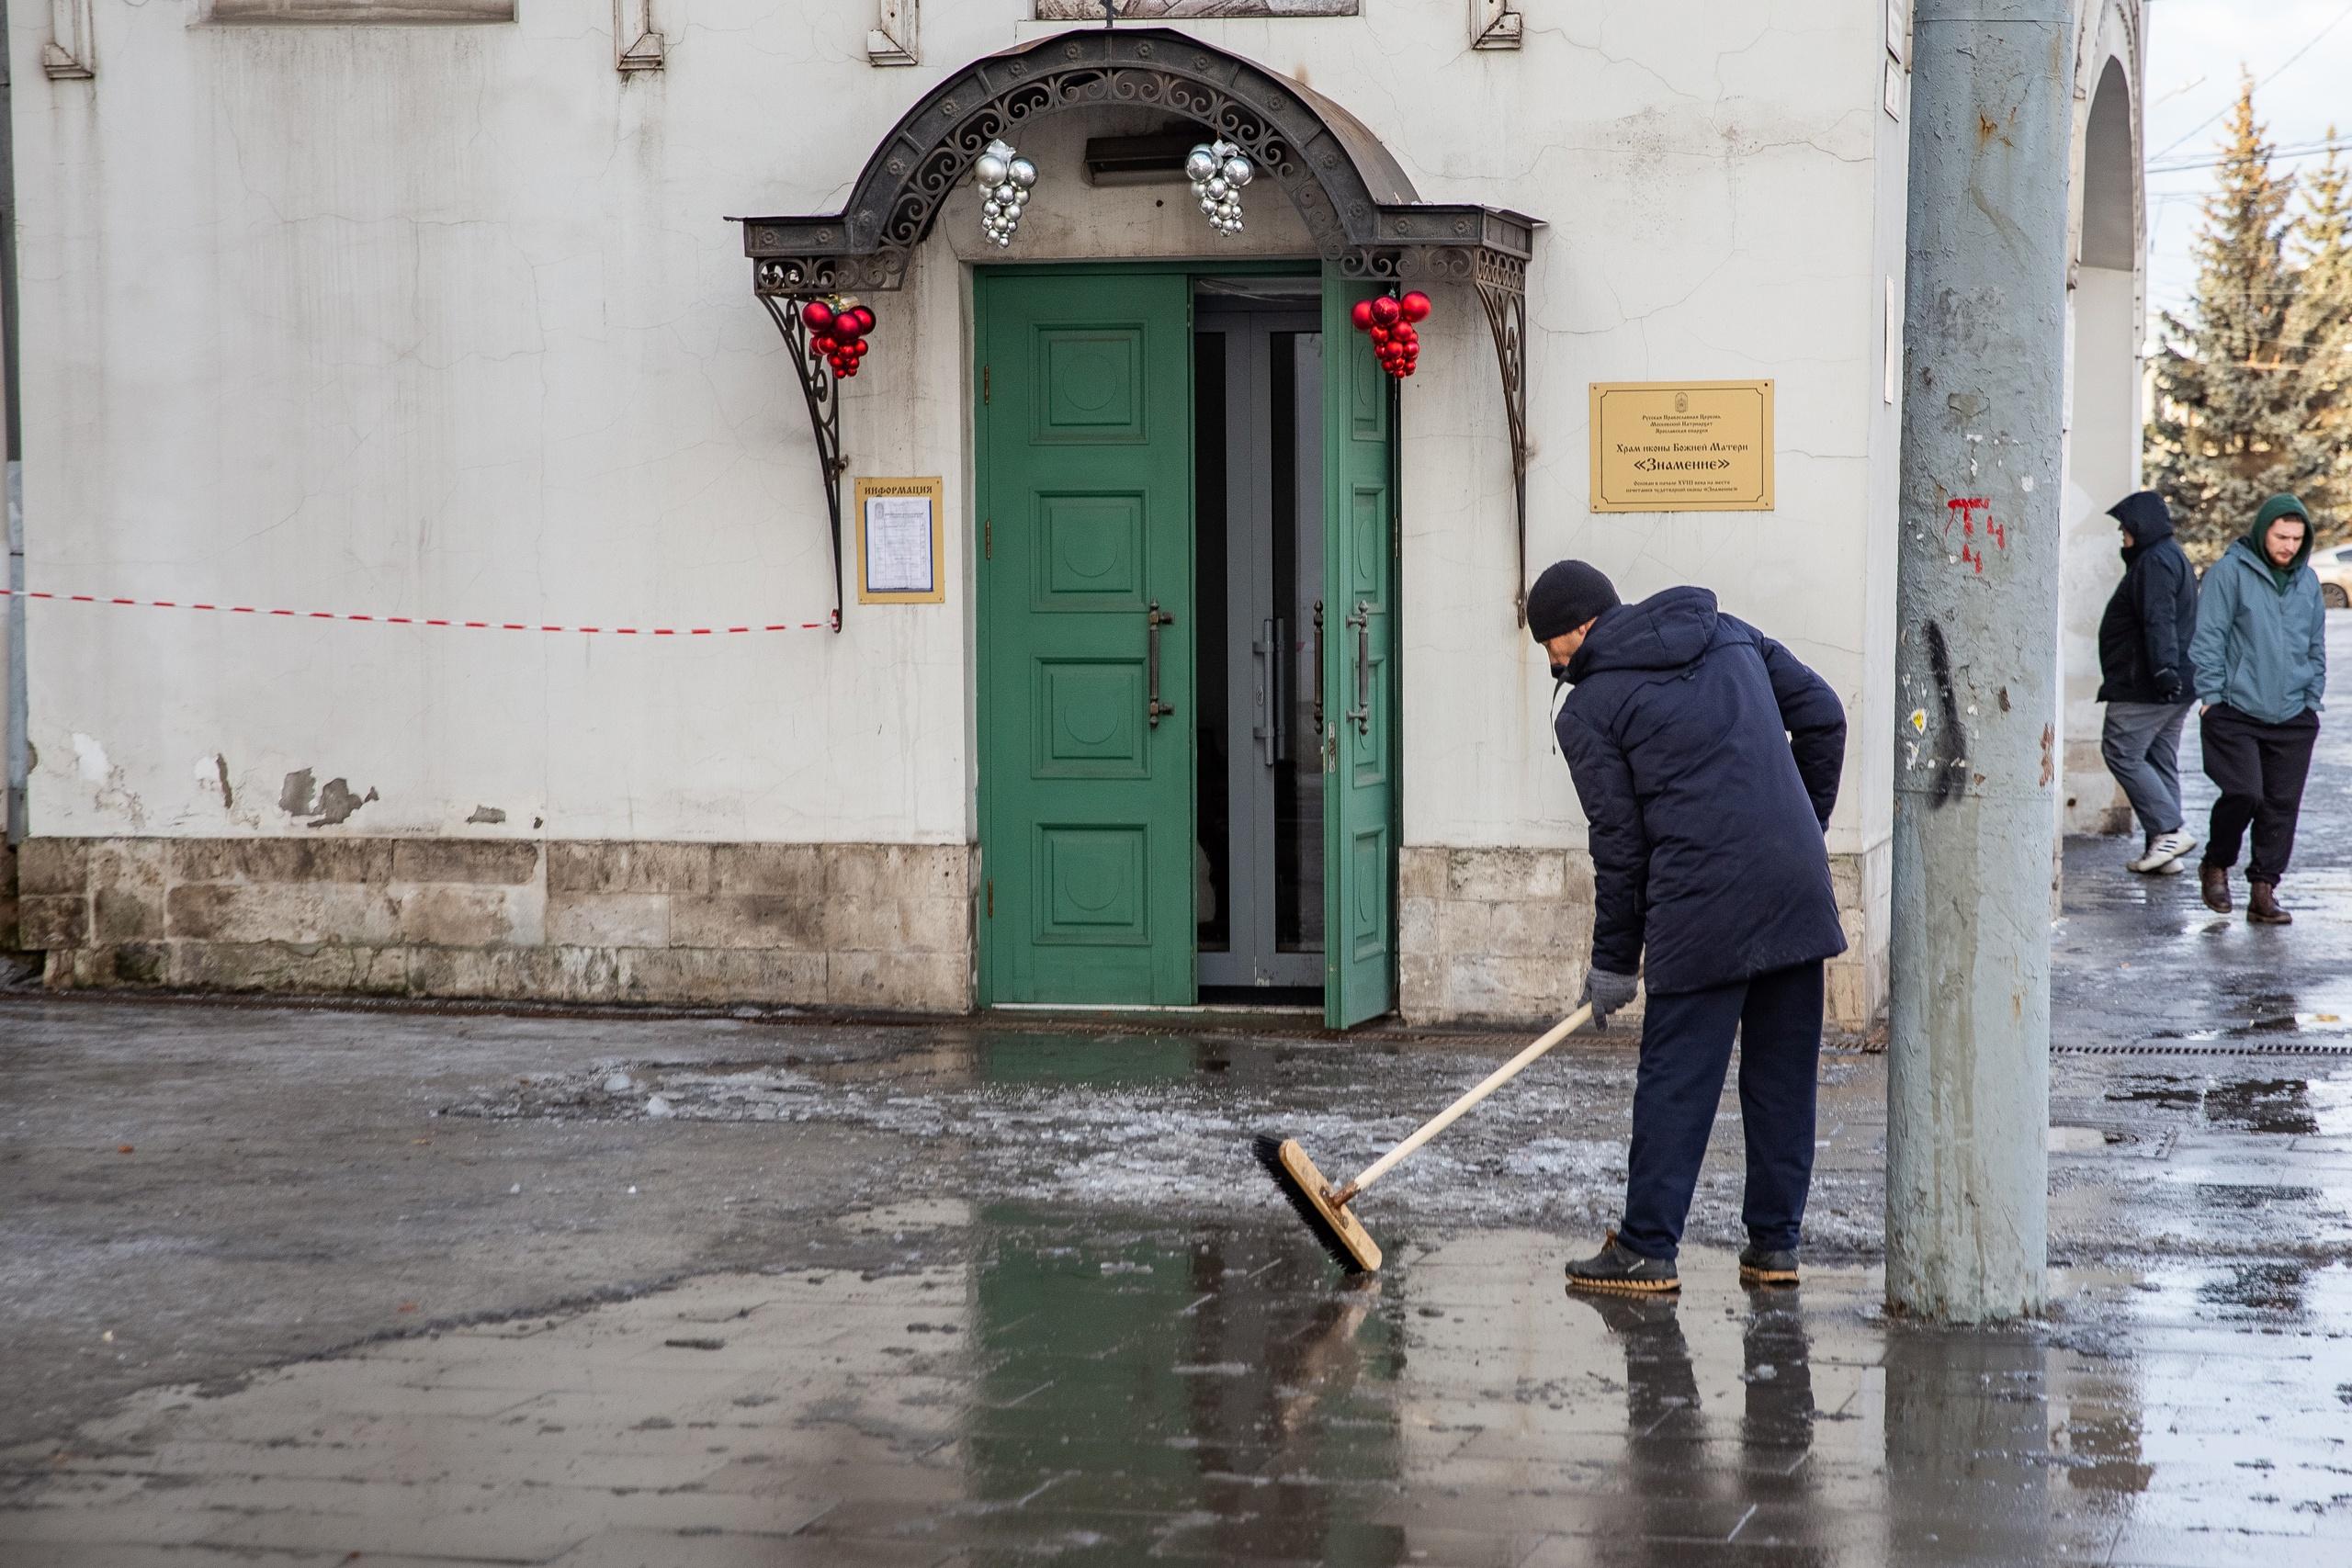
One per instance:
(1685, 1049)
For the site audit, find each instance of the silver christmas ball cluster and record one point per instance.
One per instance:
(1005, 179)
(1218, 170)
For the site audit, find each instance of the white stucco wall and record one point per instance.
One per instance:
(2103, 467)
(446, 321)
(2106, 325)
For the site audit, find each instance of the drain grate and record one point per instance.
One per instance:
(2211, 1048)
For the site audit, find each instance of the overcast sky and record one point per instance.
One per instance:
(2194, 51)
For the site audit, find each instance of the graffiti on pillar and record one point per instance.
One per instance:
(1979, 532)
(1949, 751)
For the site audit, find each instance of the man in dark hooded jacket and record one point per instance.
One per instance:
(1707, 758)
(2145, 677)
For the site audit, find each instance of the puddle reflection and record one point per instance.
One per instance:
(1209, 1394)
(1056, 1387)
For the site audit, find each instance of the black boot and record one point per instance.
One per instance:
(1768, 1265)
(1617, 1266)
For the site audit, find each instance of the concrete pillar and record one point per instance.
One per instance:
(1976, 585)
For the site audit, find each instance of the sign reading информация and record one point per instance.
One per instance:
(1154, 10)
(1682, 446)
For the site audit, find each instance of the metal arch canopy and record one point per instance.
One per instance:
(1352, 195)
(1366, 218)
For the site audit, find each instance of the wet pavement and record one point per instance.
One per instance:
(302, 1286)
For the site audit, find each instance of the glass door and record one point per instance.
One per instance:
(1258, 423)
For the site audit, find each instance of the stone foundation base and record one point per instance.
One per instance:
(884, 926)
(2095, 802)
(1492, 935)
(1504, 935)
(9, 941)
(1487, 935)
(1856, 979)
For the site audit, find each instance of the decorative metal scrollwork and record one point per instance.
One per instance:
(823, 391)
(1502, 289)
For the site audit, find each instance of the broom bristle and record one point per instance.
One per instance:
(1301, 1186)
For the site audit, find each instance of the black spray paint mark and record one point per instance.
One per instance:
(1951, 748)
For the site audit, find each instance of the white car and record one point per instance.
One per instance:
(2334, 567)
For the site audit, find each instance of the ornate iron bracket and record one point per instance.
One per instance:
(1503, 291)
(823, 391)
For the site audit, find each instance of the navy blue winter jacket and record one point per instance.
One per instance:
(1707, 758)
(2144, 637)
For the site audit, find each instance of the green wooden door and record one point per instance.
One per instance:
(1359, 669)
(1086, 507)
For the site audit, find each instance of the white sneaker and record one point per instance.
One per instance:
(2167, 849)
(2170, 868)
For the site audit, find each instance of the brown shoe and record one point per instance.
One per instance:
(2213, 881)
(2262, 905)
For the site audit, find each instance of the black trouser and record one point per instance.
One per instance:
(1685, 1049)
(2259, 769)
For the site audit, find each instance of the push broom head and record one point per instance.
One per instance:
(1297, 1179)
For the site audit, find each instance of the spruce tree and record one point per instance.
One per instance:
(2320, 329)
(2231, 408)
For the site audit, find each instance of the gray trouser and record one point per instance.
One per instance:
(2142, 745)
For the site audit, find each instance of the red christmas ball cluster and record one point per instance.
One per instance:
(1390, 321)
(838, 335)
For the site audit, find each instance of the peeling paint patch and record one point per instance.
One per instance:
(212, 772)
(324, 807)
(91, 762)
(336, 802)
(486, 815)
(300, 795)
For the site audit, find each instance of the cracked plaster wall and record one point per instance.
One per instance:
(445, 320)
(448, 321)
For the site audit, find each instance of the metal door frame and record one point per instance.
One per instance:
(1255, 685)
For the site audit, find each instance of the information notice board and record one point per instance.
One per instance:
(898, 538)
(1681, 445)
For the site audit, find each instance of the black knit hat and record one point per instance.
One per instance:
(1568, 595)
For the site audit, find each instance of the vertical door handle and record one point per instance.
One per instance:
(1263, 731)
(1278, 685)
(1361, 621)
(1318, 671)
(1155, 618)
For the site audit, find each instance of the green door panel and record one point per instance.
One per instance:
(1086, 503)
(1359, 668)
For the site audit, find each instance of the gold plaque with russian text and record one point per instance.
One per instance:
(1682, 445)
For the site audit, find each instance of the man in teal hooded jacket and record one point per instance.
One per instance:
(2260, 660)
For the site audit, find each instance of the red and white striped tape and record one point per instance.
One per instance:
(418, 620)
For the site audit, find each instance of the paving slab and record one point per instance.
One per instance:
(283, 1283)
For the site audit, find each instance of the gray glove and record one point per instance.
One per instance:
(1607, 992)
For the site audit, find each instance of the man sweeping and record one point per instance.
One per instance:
(1706, 757)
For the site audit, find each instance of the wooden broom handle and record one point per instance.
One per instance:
(1460, 1107)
